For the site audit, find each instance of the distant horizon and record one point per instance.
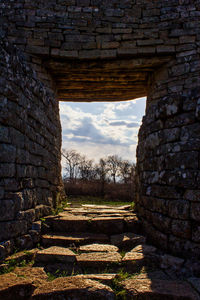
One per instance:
(99, 129)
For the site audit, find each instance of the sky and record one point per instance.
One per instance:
(99, 129)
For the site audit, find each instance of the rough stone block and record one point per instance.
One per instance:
(181, 228)
(7, 211)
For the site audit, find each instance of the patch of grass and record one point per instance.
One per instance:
(51, 276)
(11, 264)
(60, 205)
(28, 253)
(117, 286)
(57, 274)
(132, 205)
(123, 253)
(96, 201)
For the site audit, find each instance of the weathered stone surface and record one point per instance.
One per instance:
(87, 51)
(77, 239)
(73, 288)
(37, 275)
(104, 278)
(138, 253)
(107, 225)
(98, 259)
(127, 240)
(22, 255)
(168, 261)
(13, 286)
(157, 289)
(24, 111)
(70, 223)
(56, 254)
(98, 248)
(132, 223)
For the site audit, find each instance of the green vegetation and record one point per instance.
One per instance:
(10, 265)
(60, 205)
(18, 259)
(57, 274)
(95, 200)
(117, 286)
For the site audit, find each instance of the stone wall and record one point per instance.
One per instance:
(29, 151)
(87, 50)
(168, 158)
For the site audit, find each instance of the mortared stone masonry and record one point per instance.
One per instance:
(99, 50)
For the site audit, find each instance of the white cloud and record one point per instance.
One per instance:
(108, 128)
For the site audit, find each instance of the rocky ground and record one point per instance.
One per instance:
(97, 252)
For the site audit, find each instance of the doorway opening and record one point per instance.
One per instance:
(99, 141)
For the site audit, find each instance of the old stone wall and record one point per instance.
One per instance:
(168, 158)
(29, 151)
(86, 50)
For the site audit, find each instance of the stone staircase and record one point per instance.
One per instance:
(98, 252)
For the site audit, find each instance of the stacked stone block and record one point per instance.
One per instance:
(29, 151)
(162, 39)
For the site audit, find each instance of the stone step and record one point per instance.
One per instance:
(55, 254)
(98, 260)
(98, 248)
(86, 212)
(158, 289)
(94, 206)
(12, 286)
(139, 257)
(70, 223)
(107, 225)
(73, 288)
(127, 240)
(63, 239)
(103, 278)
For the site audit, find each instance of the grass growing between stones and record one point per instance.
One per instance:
(9, 266)
(117, 286)
(60, 206)
(57, 274)
(18, 259)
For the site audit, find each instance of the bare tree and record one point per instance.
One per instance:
(102, 170)
(113, 162)
(125, 170)
(86, 169)
(72, 160)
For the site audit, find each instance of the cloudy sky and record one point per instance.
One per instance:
(100, 129)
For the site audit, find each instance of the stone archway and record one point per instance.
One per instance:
(152, 48)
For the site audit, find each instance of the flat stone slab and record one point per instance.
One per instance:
(97, 259)
(98, 248)
(73, 288)
(108, 225)
(158, 289)
(139, 252)
(54, 253)
(140, 256)
(77, 239)
(94, 206)
(127, 239)
(70, 223)
(13, 286)
(35, 274)
(22, 255)
(104, 278)
(132, 223)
